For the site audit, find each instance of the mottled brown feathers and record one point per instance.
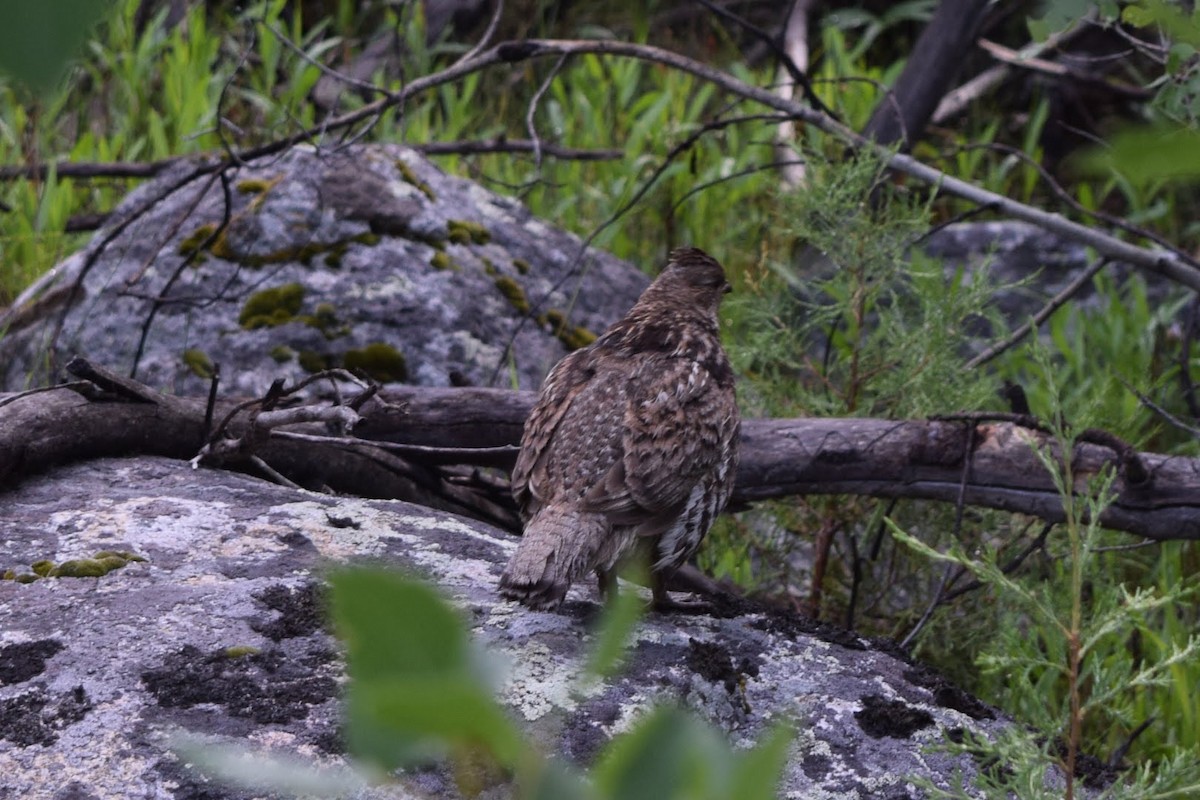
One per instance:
(633, 438)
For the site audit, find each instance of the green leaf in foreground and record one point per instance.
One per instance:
(1147, 154)
(621, 615)
(415, 690)
(38, 38)
(672, 754)
(395, 627)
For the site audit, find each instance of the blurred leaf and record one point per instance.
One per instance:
(669, 754)
(37, 39)
(557, 781)
(621, 616)
(414, 694)
(1174, 22)
(1057, 15)
(402, 720)
(396, 628)
(1147, 154)
(758, 770)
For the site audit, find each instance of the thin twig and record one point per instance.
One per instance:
(73, 385)
(1044, 313)
(530, 126)
(1156, 408)
(1012, 57)
(272, 473)
(958, 99)
(480, 456)
(1011, 566)
(325, 69)
(502, 145)
(1066, 197)
(1191, 321)
(493, 23)
(798, 75)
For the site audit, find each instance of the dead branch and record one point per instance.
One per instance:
(1035, 64)
(148, 169)
(987, 463)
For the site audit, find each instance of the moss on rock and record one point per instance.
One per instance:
(195, 240)
(409, 176)
(441, 260)
(573, 337)
(379, 361)
(513, 292)
(271, 307)
(462, 231)
(198, 362)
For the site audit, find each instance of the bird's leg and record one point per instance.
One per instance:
(663, 602)
(607, 580)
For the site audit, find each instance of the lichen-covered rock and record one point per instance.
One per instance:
(219, 631)
(370, 258)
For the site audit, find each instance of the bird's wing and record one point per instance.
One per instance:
(564, 383)
(674, 417)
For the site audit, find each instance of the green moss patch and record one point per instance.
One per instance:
(409, 176)
(441, 260)
(255, 185)
(573, 337)
(271, 307)
(312, 361)
(195, 240)
(325, 319)
(281, 354)
(513, 292)
(521, 266)
(97, 566)
(198, 362)
(461, 231)
(379, 361)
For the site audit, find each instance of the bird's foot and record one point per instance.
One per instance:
(663, 603)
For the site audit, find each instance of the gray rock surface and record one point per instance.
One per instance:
(1009, 251)
(364, 253)
(95, 672)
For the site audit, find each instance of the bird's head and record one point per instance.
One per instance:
(693, 277)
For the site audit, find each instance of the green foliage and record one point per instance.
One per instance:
(861, 325)
(37, 39)
(1060, 658)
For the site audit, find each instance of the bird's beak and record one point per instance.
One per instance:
(726, 289)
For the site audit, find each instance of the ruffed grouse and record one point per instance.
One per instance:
(632, 445)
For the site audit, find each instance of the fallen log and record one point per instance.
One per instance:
(405, 438)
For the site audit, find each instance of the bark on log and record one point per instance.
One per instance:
(1158, 496)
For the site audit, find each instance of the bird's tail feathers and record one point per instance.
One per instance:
(558, 546)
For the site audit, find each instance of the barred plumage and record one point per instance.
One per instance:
(633, 440)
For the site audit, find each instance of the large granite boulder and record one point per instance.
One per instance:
(367, 257)
(219, 632)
